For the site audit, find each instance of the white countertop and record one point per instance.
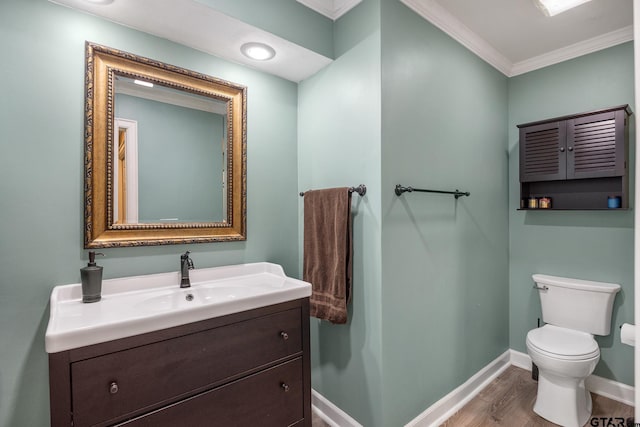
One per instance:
(140, 304)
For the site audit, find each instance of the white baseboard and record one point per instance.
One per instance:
(443, 409)
(520, 360)
(330, 413)
(603, 386)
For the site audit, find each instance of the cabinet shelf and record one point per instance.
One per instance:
(569, 209)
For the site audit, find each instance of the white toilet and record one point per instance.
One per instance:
(564, 349)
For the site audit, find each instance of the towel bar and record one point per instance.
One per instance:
(400, 189)
(360, 189)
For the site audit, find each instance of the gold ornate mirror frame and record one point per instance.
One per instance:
(102, 64)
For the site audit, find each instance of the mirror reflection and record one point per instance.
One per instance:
(169, 154)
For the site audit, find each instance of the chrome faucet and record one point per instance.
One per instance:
(186, 264)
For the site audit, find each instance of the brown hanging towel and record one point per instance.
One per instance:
(328, 251)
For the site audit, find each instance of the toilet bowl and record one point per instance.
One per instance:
(564, 349)
(564, 358)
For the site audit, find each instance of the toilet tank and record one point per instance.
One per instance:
(577, 304)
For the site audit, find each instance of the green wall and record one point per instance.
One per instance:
(389, 110)
(587, 245)
(444, 262)
(41, 181)
(339, 145)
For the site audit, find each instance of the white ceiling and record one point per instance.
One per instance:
(515, 37)
(196, 25)
(511, 35)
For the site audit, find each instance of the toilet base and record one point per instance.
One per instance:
(562, 400)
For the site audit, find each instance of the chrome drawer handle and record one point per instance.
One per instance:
(284, 335)
(285, 387)
(113, 387)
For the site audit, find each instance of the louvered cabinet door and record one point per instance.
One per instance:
(595, 146)
(542, 152)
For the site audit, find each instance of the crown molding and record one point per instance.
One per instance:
(441, 18)
(332, 9)
(433, 12)
(585, 47)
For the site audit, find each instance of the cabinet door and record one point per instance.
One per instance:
(595, 146)
(542, 152)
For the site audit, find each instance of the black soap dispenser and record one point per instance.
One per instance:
(91, 276)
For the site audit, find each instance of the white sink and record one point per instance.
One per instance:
(140, 304)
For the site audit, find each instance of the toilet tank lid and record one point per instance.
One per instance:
(586, 285)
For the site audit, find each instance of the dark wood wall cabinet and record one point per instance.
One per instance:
(577, 161)
(245, 369)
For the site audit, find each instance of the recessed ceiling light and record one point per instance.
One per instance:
(554, 7)
(258, 51)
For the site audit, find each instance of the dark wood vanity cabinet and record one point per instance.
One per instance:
(246, 369)
(577, 161)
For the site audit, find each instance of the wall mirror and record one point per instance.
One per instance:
(165, 153)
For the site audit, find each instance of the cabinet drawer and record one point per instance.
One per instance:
(131, 381)
(271, 398)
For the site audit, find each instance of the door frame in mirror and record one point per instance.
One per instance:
(102, 64)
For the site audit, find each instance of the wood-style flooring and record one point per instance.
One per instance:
(509, 399)
(316, 421)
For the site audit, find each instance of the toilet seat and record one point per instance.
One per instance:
(561, 343)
